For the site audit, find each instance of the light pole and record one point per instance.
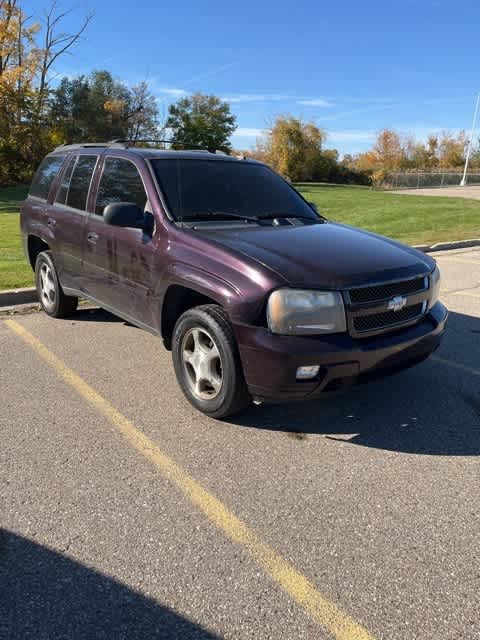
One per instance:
(470, 143)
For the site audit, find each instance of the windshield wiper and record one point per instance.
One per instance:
(240, 216)
(285, 214)
(222, 214)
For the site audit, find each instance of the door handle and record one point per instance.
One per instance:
(92, 237)
(51, 222)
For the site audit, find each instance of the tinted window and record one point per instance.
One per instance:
(80, 182)
(64, 185)
(120, 182)
(45, 175)
(196, 188)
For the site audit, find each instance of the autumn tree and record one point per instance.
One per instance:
(432, 150)
(367, 161)
(27, 53)
(388, 150)
(201, 121)
(293, 147)
(393, 152)
(18, 68)
(452, 149)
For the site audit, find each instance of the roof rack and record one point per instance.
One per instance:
(190, 147)
(88, 145)
(125, 144)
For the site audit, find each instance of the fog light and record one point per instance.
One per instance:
(307, 373)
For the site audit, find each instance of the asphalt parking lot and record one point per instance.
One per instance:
(126, 514)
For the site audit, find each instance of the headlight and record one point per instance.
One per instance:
(434, 286)
(296, 312)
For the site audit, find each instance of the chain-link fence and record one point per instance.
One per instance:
(426, 179)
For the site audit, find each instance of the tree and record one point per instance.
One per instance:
(293, 147)
(55, 44)
(388, 149)
(392, 152)
(141, 114)
(25, 65)
(452, 149)
(98, 107)
(89, 108)
(201, 120)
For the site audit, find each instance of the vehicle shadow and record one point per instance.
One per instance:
(431, 409)
(96, 314)
(46, 595)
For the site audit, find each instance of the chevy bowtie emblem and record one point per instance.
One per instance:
(397, 303)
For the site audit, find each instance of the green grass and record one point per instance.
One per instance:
(411, 219)
(14, 269)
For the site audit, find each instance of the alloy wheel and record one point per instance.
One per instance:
(202, 363)
(47, 286)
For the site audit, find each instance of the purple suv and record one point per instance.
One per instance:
(256, 295)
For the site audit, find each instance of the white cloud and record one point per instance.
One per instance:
(211, 72)
(315, 102)
(371, 100)
(274, 97)
(255, 97)
(247, 132)
(174, 92)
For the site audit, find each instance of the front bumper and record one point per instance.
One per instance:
(270, 361)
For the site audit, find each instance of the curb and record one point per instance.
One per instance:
(12, 297)
(445, 246)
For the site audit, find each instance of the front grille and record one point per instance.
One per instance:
(389, 290)
(383, 320)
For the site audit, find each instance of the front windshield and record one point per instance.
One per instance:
(198, 189)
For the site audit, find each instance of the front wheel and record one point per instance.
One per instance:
(49, 290)
(207, 363)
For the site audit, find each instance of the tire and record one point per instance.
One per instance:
(207, 362)
(50, 293)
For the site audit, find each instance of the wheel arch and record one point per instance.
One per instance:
(35, 245)
(179, 298)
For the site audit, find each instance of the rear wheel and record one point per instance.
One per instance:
(207, 363)
(50, 293)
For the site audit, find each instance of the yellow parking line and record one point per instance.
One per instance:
(326, 613)
(457, 365)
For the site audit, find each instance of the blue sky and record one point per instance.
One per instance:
(353, 67)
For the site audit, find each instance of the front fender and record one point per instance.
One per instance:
(203, 282)
(240, 306)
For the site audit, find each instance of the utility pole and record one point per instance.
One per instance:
(470, 142)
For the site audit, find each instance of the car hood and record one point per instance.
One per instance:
(330, 255)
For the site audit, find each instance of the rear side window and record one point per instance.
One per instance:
(120, 182)
(80, 182)
(45, 175)
(62, 192)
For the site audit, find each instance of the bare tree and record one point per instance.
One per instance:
(55, 44)
(142, 114)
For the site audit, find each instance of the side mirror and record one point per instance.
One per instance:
(124, 214)
(314, 206)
